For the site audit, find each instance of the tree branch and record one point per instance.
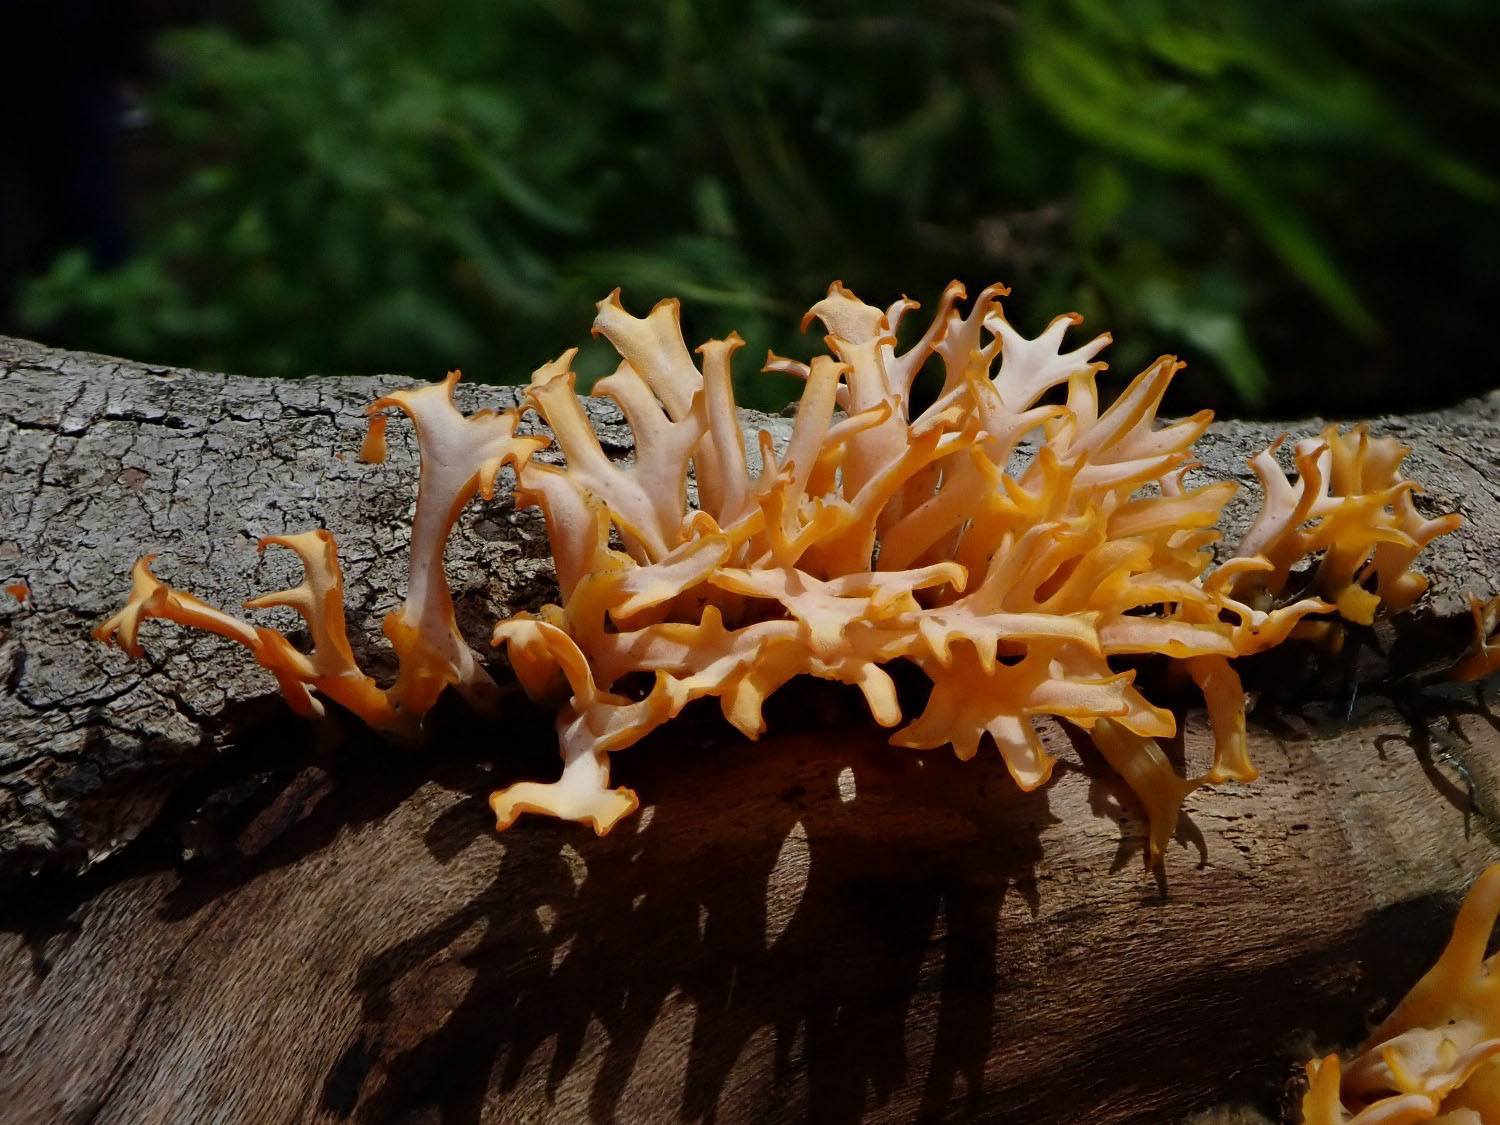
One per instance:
(815, 927)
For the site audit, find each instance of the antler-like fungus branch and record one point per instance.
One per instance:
(1436, 1057)
(459, 457)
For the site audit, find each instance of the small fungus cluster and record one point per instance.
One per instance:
(1436, 1057)
(1016, 540)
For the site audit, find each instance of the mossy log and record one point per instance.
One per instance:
(215, 911)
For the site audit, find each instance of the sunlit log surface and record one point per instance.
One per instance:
(283, 921)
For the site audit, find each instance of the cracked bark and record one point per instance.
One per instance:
(285, 920)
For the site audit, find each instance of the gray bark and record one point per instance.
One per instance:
(310, 925)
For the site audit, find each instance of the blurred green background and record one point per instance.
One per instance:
(1303, 200)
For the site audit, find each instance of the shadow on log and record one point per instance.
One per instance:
(812, 928)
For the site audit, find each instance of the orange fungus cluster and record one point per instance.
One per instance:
(1436, 1057)
(1015, 541)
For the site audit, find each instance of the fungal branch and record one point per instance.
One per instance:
(1020, 586)
(1436, 1057)
(459, 457)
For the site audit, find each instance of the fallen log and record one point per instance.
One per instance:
(217, 910)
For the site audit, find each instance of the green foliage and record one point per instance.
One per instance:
(413, 186)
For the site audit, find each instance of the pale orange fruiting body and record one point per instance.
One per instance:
(1436, 1057)
(876, 534)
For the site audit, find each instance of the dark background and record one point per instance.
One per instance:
(1301, 200)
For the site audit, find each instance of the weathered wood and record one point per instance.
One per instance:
(309, 925)
(815, 929)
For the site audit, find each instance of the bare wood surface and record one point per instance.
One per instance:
(282, 921)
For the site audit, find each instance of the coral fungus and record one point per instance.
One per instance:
(1436, 1057)
(1013, 540)
(1483, 656)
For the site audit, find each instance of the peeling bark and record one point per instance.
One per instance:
(278, 920)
